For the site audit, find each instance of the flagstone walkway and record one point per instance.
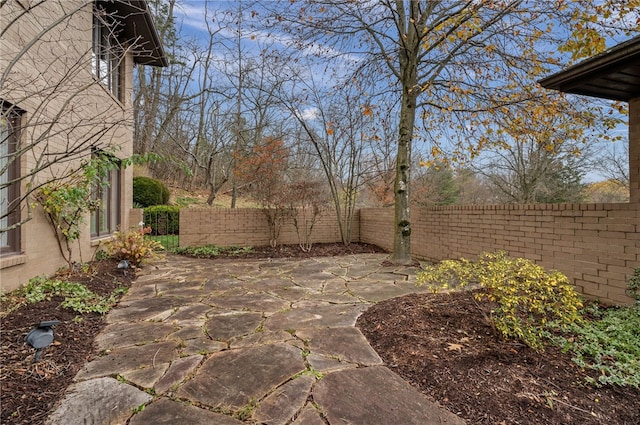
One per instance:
(248, 342)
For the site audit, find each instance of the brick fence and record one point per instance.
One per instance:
(596, 245)
(248, 227)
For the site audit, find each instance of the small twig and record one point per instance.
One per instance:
(153, 362)
(546, 380)
(484, 315)
(573, 407)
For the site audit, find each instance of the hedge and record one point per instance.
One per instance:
(148, 192)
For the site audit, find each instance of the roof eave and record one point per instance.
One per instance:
(571, 78)
(140, 26)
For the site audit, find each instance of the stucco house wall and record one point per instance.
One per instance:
(51, 75)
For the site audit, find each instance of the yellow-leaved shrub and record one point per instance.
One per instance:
(132, 246)
(525, 298)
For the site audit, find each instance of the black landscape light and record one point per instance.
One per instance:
(41, 337)
(123, 265)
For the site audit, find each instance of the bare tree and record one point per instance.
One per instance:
(265, 167)
(473, 188)
(614, 165)
(449, 64)
(152, 85)
(543, 161)
(180, 112)
(380, 158)
(308, 203)
(525, 173)
(336, 125)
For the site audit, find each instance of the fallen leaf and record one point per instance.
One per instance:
(452, 346)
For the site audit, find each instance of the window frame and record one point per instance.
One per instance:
(108, 213)
(107, 54)
(13, 245)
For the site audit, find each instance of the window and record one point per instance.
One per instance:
(107, 53)
(9, 180)
(106, 218)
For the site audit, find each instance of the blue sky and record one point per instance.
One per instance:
(193, 16)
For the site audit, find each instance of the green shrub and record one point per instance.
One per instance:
(527, 299)
(148, 192)
(163, 219)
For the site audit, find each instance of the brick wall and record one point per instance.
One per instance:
(248, 227)
(596, 245)
(53, 84)
(634, 150)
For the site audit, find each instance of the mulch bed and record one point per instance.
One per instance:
(29, 390)
(442, 345)
(294, 251)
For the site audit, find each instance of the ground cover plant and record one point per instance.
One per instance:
(607, 343)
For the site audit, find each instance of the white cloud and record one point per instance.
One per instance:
(192, 15)
(310, 114)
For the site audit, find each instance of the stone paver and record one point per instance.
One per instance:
(309, 416)
(233, 379)
(178, 370)
(103, 401)
(167, 412)
(225, 326)
(311, 316)
(126, 334)
(126, 359)
(248, 342)
(261, 302)
(147, 376)
(344, 344)
(280, 406)
(387, 400)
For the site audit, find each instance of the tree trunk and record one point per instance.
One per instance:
(408, 59)
(402, 230)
